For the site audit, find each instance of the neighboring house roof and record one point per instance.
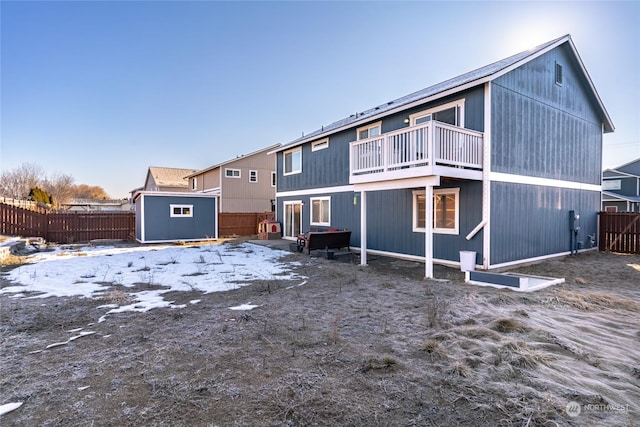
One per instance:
(611, 196)
(169, 177)
(242, 156)
(631, 168)
(456, 84)
(96, 202)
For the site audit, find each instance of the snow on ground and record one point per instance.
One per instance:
(91, 271)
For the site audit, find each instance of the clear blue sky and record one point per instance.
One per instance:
(103, 90)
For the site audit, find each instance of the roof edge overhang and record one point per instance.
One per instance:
(607, 128)
(242, 156)
(171, 194)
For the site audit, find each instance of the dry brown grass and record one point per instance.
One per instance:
(508, 325)
(117, 296)
(592, 301)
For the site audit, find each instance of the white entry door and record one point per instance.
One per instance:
(292, 218)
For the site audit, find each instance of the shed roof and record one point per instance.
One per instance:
(456, 84)
(170, 177)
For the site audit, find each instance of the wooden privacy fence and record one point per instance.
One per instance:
(619, 232)
(241, 223)
(67, 227)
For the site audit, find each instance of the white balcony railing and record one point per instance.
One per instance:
(423, 146)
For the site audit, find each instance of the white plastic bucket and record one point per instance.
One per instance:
(467, 260)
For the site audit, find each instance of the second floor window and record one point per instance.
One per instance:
(253, 176)
(232, 173)
(293, 161)
(369, 131)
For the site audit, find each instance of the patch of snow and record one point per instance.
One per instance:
(8, 407)
(247, 306)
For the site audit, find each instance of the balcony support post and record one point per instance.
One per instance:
(363, 228)
(428, 232)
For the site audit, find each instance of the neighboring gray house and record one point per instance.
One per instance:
(167, 179)
(97, 205)
(492, 161)
(621, 188)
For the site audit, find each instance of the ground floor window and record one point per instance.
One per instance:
(445, 210)
(181, 211)
(321, 211)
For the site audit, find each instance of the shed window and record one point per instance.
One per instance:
(181, 211)
(558, 74)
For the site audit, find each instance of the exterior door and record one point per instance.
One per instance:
(292, 219)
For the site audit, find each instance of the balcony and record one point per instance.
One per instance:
(429, 149)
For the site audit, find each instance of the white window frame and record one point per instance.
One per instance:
(322, 144)
(182, 214)
(284, 161)
(558, 73)
(274, 179)
(253, 176)
(455, 192)
(368, 128)
(233, 173)
(611, 184)
(194, 183)
(458, 103)
(326, 223)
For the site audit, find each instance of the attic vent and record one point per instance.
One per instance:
(558, 74)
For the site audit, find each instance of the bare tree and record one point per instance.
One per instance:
(61, 188)
(18, 182)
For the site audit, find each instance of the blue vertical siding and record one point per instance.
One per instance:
(159, 225)
(529, 221)
(543, 129)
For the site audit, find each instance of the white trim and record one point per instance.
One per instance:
(172, 194)
(457, 103)
(535, 259)
(142, 222)
(178, 240)
(475, 230)
(320, 199)
(363, 228)
(486, 181)
(233, 171)
(314, 191)
(407, 257)
(255, 176)
(546, 182)
(321, 144)
(432, 180)
(217, 190)
(284, 161)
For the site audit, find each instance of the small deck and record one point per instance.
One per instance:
(433, 148)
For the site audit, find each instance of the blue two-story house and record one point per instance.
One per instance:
(491, 162)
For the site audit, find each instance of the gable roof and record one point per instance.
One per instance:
(169, 177)
(631, 168)
(456, 84)
(242, 156)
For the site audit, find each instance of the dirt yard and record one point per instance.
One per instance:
(348, 345)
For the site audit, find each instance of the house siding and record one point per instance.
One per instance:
(240, 195)
(330, 167)
(543, 129)
(532, 221)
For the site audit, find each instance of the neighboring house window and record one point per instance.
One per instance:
(232, 173)
(293, 161)
(452, 113)
(273, 179)
(320, 145)
(253, 176)
(558, 74)
(611, 209)
(181, 211)
(194, 183)
(369, 131)
(445, 210)
(612, 184)
(321, 211)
